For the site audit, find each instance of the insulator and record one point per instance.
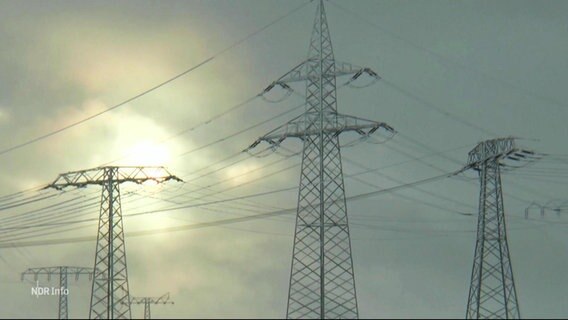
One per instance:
(284, 86)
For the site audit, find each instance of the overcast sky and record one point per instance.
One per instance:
(454, 73)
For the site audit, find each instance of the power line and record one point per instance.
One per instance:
(174, 208)
(431, 106)
(441, 57)
(402, 182)
(74, 124)
(219, 222)
(360, 196)
(21, 193)
(201, 124)
(239, 132)
(73, 208)
(22, 203)
(437, 109)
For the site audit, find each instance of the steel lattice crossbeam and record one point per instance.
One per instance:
(322, 281)
(110, 294)
(304, 126)
(147, 301)
(497, 150)
(302, 72)
(97, 176)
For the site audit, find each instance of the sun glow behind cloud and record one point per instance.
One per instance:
(147, 153)
(123, 137)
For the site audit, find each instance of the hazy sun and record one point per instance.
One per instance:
(146, 153)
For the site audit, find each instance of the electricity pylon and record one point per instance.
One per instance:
(492, 291)
(322, 283)
(63, 272)
(110, 284)
(555, 205)
(147, 301)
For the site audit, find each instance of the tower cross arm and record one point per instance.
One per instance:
(301, 73)
(50, 271)
(164, 299)
(304, 125)
(498, 150)
(98, 176)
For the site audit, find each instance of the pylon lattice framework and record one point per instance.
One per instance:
(147, 301)
(322, 283)
(492, 291)
(110, 295)
(63, 272)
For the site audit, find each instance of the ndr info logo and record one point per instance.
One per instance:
(48, 291)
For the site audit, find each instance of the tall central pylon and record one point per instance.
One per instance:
(110, 295)
(322, 280)
(492, 293)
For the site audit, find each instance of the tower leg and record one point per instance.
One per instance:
(492, 291)
(63, 297)
(110, 295)
(322, 283)
(147, 310)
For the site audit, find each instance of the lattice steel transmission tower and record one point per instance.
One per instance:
(110, 285)
(492, 291)
(555, 205)
(322, 283)
(63, 272)
(147, 301)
